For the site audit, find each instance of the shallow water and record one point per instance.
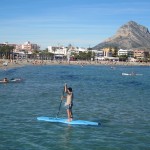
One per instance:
(120, 103)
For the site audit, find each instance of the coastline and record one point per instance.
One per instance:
(20, 63)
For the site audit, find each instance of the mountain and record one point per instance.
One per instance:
(128, 36)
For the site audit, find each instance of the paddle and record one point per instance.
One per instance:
(60, 103)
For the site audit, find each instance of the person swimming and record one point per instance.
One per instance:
(5, 80)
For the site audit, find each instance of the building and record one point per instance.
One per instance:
(98, 54)
(57, 50)
(128, 53)
(28, 46)
(22, 50)
(6, 43)
(108, 52)
(140, 54)
(60, 50)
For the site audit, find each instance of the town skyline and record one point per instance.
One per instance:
(80, 23)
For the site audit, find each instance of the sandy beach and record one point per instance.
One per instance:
(4, 64)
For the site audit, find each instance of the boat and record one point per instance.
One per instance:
(131, 74)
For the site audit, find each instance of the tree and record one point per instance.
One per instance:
(115, 54)
(123, 58)
(83, 55)
(6, 51)
(45, 55)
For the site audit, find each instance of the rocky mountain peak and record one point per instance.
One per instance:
(131, 27)
(130, 35)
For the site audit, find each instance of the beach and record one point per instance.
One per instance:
(4, 63)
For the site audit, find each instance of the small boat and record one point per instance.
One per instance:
(131, 74)
(126, 74)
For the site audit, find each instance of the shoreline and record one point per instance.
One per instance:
(7, 64)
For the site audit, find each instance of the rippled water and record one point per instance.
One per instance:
(120, 103)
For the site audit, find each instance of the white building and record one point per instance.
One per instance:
(125, 52)
(60, 50)
(57, 50)
(98, 54)
(79, 49)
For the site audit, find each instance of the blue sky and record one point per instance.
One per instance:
(81, 23)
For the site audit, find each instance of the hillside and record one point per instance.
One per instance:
(128, 36)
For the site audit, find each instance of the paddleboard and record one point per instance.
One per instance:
(12, 81)
(16, 80)
(63, 120)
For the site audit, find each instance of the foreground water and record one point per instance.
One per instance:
(102, 94)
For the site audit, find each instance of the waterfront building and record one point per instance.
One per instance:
(6, 43)
(98, 54)
(127, 52)
(63, 51)
(108, 52)
(140, 54)
(28, 46)
(58, 51)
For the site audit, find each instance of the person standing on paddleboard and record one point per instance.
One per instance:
(69, 101)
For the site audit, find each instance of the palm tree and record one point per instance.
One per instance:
(6, 51)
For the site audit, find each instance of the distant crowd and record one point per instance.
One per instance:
(17, 63)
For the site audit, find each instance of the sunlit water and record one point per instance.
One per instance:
(120, 103)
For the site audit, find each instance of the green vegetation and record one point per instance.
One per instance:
(42, 55)
(83, 55)
(6, 52)
(123, 58)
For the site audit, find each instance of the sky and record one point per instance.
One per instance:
(82, 23)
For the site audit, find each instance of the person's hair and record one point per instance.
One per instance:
(70, 89)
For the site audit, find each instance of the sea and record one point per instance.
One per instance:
(121, 104)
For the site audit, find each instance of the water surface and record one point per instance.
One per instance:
(102, 94)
